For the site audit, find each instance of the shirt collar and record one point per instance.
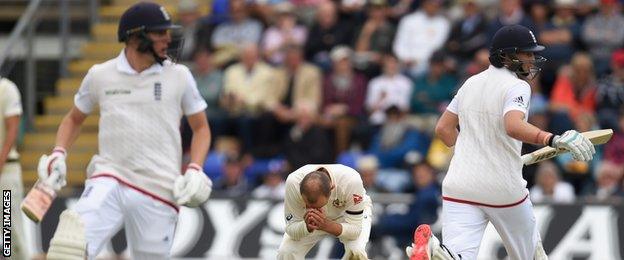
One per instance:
(124, 66)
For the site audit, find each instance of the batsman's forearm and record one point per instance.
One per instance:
(68, 132)
(12, 125)
(527, 133)
(448, 136)
(200, 144)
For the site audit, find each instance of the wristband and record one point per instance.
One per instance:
(194, 166)
(59, 149)
(550, 140)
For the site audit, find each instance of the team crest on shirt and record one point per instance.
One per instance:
(157, 91)
(356, 199)
(339, 203)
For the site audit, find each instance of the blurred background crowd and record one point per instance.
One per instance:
(362, 83)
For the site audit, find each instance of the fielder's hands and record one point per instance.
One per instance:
(193, 188)
(581, 148)
(52, 169)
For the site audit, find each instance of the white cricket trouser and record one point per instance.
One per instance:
(297, 250)
(106, 205)
(11, 179)
(463, 226)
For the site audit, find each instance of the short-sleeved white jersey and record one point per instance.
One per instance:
(486, 167)
(10, 105)
(348, 197)
(140, 113)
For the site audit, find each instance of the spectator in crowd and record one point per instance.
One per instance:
(432, 92)
(249, 88)
(609, 177)
(368, 166)
(306, 142)
(210, 85)
(469, 34)
(395, 139)
(510, 12)
(326, 33)
(283, 33)
(603, 33)
(573, 99)
(344, 92)
(614, 149)
(610, 93)
(374, 38)
(549, 188)
(239, 30)
(233, 182)
(560, 36)
(297, 82)
(389, 89)
(419, 35)
(273, 187)
(422, 210)
(188, 15)
(479, 63)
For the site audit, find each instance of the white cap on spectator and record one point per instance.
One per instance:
(367, 163)
(340, 52)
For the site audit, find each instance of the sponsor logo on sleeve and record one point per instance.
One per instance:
(520, 101)
(356, 199)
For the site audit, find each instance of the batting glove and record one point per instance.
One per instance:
(193, 188)
(52, 169)
(581, 148)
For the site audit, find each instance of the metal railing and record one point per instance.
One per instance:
(28, 23)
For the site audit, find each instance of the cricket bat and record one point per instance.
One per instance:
(38, 201)
(596, 137)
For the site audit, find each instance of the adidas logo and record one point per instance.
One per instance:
(519, 100)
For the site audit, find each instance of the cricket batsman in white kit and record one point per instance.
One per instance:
(484, 181)
(322, 200)
(135, 180)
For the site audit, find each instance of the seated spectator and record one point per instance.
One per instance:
(188, 15)
(422, 210)
(610, 93)
(480, 62)
(368, 166)
(432, 92)
(607, 187)
(419, 35)
(326, 32)
(283, 33)
(374, 37)
(614, 149)
(389, 89)
(233, 182)
(574, 95)
(239, 30)
(249, 88)
(273, 187)
(344, 92)
(210, 85)
(510, 12)
(469, 34)
(395, 139)
(603, 33)
(306, 142)
(549, 188)
(297, 82)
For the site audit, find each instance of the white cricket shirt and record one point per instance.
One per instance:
(486, 167)
(139, 128)
(347, 200)
(10, 105)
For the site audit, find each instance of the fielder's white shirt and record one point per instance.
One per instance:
(486, 167)
(347, 200)
(140, 113)
(10, 105)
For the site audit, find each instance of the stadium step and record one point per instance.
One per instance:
(104, 32)
(44, 142)
(76, 162)
(101, 50)
(58, 105)
(50, 123)
(68, 86)
(79, 68)
(114, 12)
(74, 178)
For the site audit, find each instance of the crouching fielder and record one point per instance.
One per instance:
(484, 181)
(322, 200)
(134, 181)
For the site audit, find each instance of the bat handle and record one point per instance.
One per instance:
(526, 159)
